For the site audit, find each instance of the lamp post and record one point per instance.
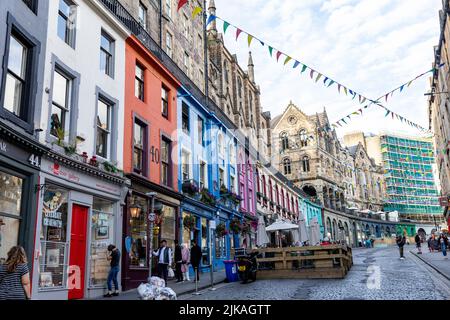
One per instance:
(151, 220)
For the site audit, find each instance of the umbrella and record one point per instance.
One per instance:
(281, 225)
(261, 234)
(314, 230)
(302, 230)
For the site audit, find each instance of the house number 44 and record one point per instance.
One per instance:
(34, 160)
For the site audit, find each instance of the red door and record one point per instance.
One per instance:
(77, 257)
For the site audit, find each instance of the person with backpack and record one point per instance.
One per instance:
(15, 276)
(418, 241)
(401, 241)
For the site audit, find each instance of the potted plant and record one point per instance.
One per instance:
(207, 198)
(189, 222)
(235, 198)
(221, 230)
(93, 161)
(190, 187)
(235, 226)
(109, 167)
(223, 190)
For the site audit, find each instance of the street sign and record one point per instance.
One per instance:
(212, 224)
(151, 217)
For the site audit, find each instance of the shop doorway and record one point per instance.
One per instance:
(77, 260)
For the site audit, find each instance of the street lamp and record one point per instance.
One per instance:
(135, 211)
(151, 218)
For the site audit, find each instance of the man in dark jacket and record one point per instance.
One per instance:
(196, 258)
(164, 255)
(178, 262)
(401, 240)
(418, 241)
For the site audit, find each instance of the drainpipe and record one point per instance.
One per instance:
(160, 23)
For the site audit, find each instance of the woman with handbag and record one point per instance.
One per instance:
(185, 257)
(15, 276)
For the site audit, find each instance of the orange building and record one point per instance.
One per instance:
(149, 163)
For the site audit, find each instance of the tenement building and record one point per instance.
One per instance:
(439, 114)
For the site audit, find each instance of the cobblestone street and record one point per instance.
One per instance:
(408, 279)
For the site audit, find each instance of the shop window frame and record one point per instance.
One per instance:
(114, 123)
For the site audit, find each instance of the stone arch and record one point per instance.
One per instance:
(310, 190)
(329, 227)
(334, 234)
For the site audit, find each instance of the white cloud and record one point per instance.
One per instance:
(371, 46)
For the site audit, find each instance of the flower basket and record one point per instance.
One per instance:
(189, 222)
(190, 187)
(223, 190)
(235, 198)
(221, 230)
(235, 226)
(208, 198)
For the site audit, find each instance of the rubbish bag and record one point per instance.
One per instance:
(157, 282)
(147, 291)
(166, 294)
(170, 273)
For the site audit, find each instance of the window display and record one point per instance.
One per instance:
(10, 206)
(53, 260)
(168, 225)
(102, 235)
(138, 233)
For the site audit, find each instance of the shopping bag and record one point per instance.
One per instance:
(171, 274)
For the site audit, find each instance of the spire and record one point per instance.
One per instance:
(251, 68)
(212, 11)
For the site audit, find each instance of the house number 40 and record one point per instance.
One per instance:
(154, 152)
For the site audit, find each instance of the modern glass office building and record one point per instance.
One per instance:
(410, 184)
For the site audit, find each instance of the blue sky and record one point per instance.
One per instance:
(372, 46)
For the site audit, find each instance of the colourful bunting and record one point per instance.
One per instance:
(225, 27)
(196, 12)
(249, 39)
(318, 77)
(304, 68)
(279, 53)
(311, 74)
(238, 32)
(270, 50)
(181, 4)
(325, 80)
(287, 60)
(387, 113)
(211, 19)
(331, 83)
(296, 64)
(345, 90)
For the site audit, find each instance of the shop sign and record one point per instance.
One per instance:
(19, 154)
(52, 216)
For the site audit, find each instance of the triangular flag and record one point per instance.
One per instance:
(387, 113)
(287, 60)
(331, 83)
(325, 80)
(339, 88)
(345, 90)
(354, 95)
(249, 38)
(340, 125)
(296, 64)
(360, 110)
(196, 12)
(270, 50)
(262, 43)
(401, 88)
(392, 115)
(387, 97)
(225, 27)
(343, 120)
(364, 99)
(211, 19)
(311, 74)
(355, 113)
(304, 68)
(335, 126)
(181, 4)
(318, 77)
(238, 32)
(351, 92)
(279, 53)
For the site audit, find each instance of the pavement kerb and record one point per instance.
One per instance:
(199, 288)
(431, 265)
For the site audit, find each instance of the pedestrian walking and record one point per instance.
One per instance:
(178, 262)
(196, 258)
(114, 257)
(401, 240)
(186, 260)
(164, 255)
(418, 243)
(443, 241)
(430, 244)
(15, 276)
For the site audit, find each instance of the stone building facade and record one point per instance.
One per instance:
(308, 152)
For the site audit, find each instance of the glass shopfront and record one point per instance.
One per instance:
(168, 225)
(138, 232)
(11, 189)
(102, 234)
(53, 238)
